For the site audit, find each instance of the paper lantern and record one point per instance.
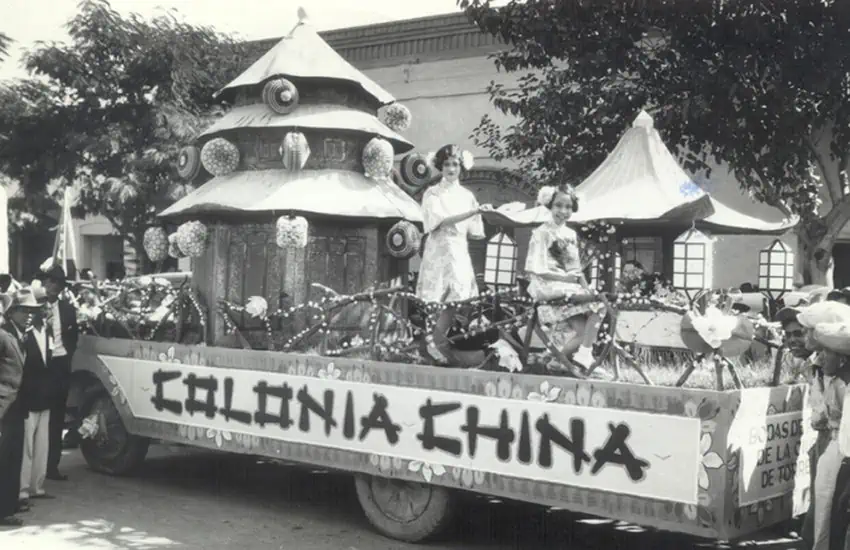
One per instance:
(378, 158)
(173, 248)
(294, 151)
(416, 170)
(693, 265)
(219, 157)
(776, 268)
(281, 96)
(189, 163)
(403, 240)
(396, 117)
(192, 239)
(292, 232)
(155, 242)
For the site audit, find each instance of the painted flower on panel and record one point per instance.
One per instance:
(386, 464)
(761, 509)
(503, 388)
(710, 461)
(547, 393)
(219, 436)
(330, 372)
(116, 391)
(468, 478)
(195, 358)
(428, 471)
(358, 375)
(585, 396)
(169, 356)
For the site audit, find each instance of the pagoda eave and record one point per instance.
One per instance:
(337, 193)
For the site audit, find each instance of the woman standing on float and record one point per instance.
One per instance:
(451, 214)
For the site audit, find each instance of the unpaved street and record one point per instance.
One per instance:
(196, 500)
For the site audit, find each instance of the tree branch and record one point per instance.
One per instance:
(833, 188)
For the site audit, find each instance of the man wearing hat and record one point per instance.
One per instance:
(26, 323)
(11, 423)
(61, 324)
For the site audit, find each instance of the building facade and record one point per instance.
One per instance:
(440, 67)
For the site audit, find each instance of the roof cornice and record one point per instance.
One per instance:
(409, 40)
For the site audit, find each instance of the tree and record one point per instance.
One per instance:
(108, 112)
(762, 86)
(5, 42)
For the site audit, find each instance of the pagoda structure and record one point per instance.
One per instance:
(307, 146)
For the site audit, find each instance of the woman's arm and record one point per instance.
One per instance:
(457, 218)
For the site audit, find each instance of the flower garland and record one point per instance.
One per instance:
(396, 117)
(192, 238)
(155, 242)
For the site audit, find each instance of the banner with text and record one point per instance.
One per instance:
(624, 452)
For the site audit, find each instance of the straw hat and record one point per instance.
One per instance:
(824, 312)
(833, 336)
(28, 298)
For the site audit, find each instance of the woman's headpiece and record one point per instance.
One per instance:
(467, 160)
(546, 194)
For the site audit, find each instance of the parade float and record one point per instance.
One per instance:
(302, 347)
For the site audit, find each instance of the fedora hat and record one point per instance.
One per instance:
(28, 298)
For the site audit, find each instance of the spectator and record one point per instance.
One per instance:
(11, 424)
(841, 295)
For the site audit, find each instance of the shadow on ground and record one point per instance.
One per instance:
(288, 507)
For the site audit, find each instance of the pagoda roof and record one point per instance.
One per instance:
(304, 54)
(316, 117)
(340, 193)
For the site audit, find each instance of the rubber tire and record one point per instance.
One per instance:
(130, 456)
(434, 521)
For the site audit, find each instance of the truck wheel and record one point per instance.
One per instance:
(112, 450)
(403, 510)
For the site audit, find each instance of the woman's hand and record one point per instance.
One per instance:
(486, 208)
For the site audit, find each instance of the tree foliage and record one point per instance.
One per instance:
(5, 42)
(762, 86)
(108, 111)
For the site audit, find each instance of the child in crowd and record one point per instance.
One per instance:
(555, 272)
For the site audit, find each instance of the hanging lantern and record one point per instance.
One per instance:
(192, 238)
(416, 170)
(173, 248)
(189, 163)
(396, 117)
(378, 158)
(219, 157)
(155, 242)
(294, 151)
(776, 268)
(292, 232)
(281, 96)
(693, 265)
(403, 240)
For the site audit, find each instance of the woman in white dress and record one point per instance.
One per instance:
(555, 272)
(451, 217)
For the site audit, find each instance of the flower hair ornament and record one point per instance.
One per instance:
(546, 194)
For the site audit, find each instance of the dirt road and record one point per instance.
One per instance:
(196, 500)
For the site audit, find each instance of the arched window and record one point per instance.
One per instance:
(500, 265)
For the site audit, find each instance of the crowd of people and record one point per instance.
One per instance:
(38, 337)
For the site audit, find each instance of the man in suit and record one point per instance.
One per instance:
(61, 322)
(26, 323)
(11, 423)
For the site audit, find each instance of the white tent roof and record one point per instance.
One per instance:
(642, 181)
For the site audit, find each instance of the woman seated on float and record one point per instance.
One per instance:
(555, 272)
(827, 331)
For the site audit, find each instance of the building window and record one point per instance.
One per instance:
(500, 263)
(646, 251)
(595, 270)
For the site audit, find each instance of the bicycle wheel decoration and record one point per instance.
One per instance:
(192, 238)
(219, 157)
(396, 117)
(173, 249)
(416, 170)
(281, 96)
(294, 151)
(189, 163)
(378, 158)
(403, 240)
(155, 242)
(292, 232)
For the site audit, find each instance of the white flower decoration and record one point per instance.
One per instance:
(691, 409)
(710, 461)
(90, 426)
(219, 436)
(547, 393)
(168, 357)
(583, 396)
(429, 471)
(116, 391)
(467, 160)
(544, 196)
(508, 357)
(330, 372)
(714, 326)
(257, 307)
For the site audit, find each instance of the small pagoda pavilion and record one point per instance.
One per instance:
(302, 143)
